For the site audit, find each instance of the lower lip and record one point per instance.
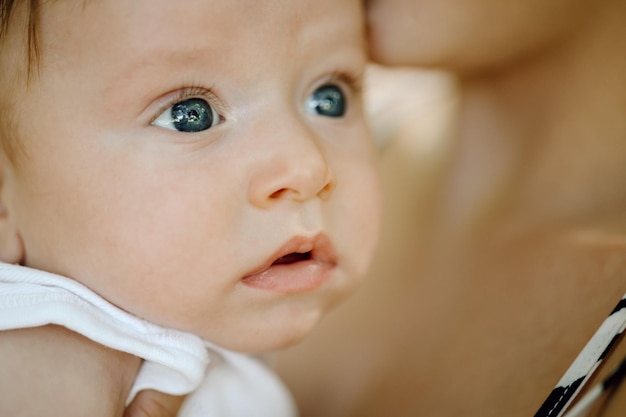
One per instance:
(292, 278)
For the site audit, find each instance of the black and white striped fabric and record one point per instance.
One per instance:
(589, 359)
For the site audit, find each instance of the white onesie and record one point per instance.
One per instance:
(221, 383)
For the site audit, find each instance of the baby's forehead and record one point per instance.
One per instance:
(136, 50)
(201, 25)
(153, 33)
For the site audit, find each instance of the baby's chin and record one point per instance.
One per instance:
(266, 339)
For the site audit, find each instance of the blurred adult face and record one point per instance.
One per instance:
(470, 35)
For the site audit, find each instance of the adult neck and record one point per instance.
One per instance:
(544, 139)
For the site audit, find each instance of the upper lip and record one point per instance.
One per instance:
(319, 246)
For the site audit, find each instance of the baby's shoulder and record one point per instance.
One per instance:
(50, 370)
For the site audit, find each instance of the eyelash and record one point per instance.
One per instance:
(352, 81)
(191, 92)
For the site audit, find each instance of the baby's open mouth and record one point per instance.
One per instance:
(293, 258)
(302, 264)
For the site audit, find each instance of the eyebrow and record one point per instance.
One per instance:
(150, 74)
(157, 63)
(163, 57)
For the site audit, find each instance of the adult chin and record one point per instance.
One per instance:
(389, 31)
(470, 36)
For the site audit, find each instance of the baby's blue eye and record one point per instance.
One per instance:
(328, 100)
(189, 116)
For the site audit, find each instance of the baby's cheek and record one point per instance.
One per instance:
(360, 226)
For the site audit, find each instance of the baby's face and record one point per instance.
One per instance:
(204, 164)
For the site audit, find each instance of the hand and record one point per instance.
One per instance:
(150, 403)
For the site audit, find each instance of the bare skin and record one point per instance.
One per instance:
(61, 361)
(282, 148)
(152, 403)
(506, 247)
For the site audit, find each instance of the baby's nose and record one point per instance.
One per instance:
(296, 168)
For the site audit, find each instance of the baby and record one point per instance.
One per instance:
(203, 166)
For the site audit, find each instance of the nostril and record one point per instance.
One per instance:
(326, 190)
(322, 193)
(278, 193)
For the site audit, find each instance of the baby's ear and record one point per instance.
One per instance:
(11, 247)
